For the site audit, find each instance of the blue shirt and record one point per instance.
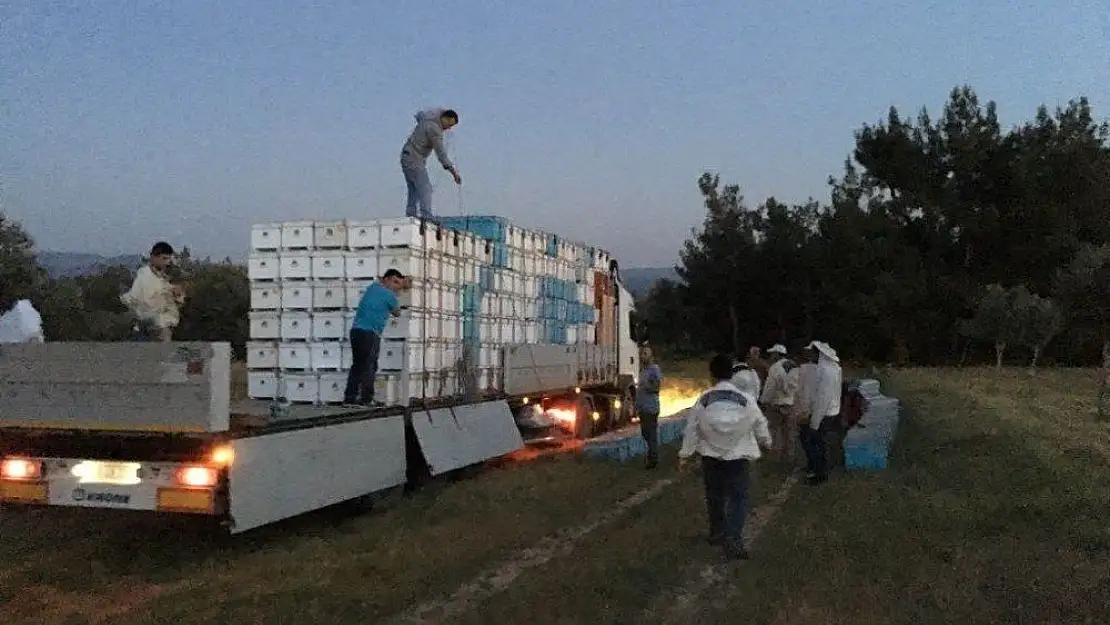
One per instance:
(374, 308)
(648, 400)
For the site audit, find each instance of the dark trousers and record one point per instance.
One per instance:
(726, 497)
(813, 442)
(365, 346)
(649, 429)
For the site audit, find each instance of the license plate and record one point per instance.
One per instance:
(118, 473)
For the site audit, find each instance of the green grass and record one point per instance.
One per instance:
(56, 565)
(994, 510)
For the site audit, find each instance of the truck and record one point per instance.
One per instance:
(494, 350)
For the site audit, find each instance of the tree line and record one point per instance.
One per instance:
(88, 308)
(943, 241)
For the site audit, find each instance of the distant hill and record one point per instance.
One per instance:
(70, 264)
(639, 280)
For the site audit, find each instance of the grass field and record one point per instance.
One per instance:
(994, 510)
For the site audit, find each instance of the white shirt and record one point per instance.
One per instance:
(780, 387)
(151, 299)
(806, 380)
(825, 401)
(726, 429)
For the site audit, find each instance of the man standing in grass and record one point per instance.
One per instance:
(726, 428)
(378, 302)
(777, 400)
(647, 404)
(426, 138)
(823, 411)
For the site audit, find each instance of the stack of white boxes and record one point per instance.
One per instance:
(476, 289)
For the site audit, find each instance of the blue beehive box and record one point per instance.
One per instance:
(552, 245)
(470, 328)
(485, 278)
(500, 255)
(487, 227)
(472, 299)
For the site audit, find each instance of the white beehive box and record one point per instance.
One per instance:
(332, 386)
(414, 297)
(410, 324)
(347, 356)
(329, 235)
(265, 297)
(531, 331)
(450, 327)
(266, 237)
(449, 299)
(294, 356)
(394, 355)
(329, 295)
(265, 325)
(355, 289)
(328, 326)
(262, 355)
(328, 265)
(296, 326)
(405, 260)
(296, 265)
(386, 389)
(301, 388)
(572, 334)
(296, 235)
(363, 235)
(403, 232)
(263, 266)
(326, 356)
(362, 265)
(262, 384)
(296, 295)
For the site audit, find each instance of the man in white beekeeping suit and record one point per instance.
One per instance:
(822, 409)
(777, 400)
(746, 378)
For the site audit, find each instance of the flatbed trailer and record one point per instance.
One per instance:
(151, 427)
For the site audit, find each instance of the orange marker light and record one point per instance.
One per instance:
(20, 469)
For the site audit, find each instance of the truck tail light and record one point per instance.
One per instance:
(197, 477)
(20, 469)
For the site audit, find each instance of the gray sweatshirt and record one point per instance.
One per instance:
(427, 136)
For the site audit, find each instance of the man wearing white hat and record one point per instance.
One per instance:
(777, 400)
(823, 411)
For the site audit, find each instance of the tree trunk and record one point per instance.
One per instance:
(999, 349)
(1036, 356)
(734, 319)
(1104, 388)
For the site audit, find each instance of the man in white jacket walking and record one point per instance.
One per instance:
(777, 400)
(822, 411)
(726, 428)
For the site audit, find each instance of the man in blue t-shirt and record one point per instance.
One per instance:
(647, 404)
(378, 302)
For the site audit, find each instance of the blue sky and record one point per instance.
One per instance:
(126, 122)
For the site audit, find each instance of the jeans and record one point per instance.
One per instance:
(726, 497)
(649, 429)
(365, 346)
(817, 461)
(420, 191)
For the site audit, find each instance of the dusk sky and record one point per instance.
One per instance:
(127, 122)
